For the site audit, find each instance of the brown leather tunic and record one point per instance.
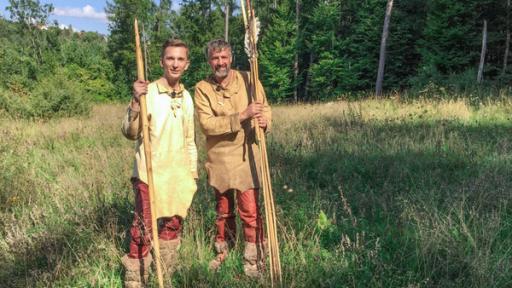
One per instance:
(233, 156)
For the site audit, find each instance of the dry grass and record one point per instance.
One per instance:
(374, 193)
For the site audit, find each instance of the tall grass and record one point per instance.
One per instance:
(375, 193)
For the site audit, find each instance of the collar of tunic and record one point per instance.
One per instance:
(171, 92)
(230, 90)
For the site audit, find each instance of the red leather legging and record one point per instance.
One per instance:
(249, 211)
(140, 232)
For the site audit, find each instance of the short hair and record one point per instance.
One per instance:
(217, 45)
(173, 43)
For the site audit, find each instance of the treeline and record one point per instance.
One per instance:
(48, 71)
(309, 50)
(320, 50)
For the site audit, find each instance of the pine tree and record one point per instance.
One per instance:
(199, 22)
(277, 54)
(122, 42)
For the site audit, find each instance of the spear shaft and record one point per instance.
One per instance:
(268, 198)
(147, 154)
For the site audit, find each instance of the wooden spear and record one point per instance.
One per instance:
(147, 154)
(268, 198)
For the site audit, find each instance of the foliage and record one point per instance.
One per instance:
(328, 77)
(278, 48)
(121, 44)
(312, 50)
(53, 96)
(50, 72)
(31, 15)
(86, 60)
(448, 27)
(195, 16)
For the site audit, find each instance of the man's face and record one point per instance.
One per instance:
(220, 61)
(174, 62)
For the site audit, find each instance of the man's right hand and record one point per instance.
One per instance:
(139, 88)
(253, 110)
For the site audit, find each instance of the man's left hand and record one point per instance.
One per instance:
(262, 121)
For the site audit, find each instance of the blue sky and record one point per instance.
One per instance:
(87, 15)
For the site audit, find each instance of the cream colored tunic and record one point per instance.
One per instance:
(233, 160)
(173, 148)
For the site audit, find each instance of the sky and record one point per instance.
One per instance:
(86, 15)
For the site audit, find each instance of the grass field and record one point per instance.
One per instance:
(375, 193)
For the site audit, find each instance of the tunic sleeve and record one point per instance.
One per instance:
(131, 126)
(209, 122)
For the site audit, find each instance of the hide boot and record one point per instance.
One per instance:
(254, 259)
(222, 252)
(169, 255)
(136, 271)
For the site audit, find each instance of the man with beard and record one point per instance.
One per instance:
(174, 162)
(227, 116)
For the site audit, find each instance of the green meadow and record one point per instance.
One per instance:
(371, 193)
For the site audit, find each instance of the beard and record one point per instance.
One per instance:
(222, 72)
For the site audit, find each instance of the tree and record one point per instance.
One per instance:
(402, 56)
(507, 43)
(121, 43)
(194, 17)
(382, 55)
(296, 60)
(30, 15)
(482, 54)
(226, 20)
(277, 54)
(445, 45)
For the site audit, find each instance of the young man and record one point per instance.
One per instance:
(174, 162)
(226, 113)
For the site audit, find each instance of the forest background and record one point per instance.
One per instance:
(309, 50)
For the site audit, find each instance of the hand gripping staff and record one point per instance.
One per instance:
(147, 154)
(251, 36)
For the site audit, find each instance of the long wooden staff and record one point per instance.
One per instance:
(147, 153)
(268, 198)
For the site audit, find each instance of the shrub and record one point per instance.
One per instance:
(52, 96)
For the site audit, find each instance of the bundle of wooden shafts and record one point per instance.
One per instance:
(268, 198)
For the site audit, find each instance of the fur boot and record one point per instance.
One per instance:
(222, 252)
(254, 259)
(169, 255)
(136, 271)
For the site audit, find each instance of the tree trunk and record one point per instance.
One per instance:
(479, 78)
(226, 21)
(308, 77)
(296, 61)
(507, 43)
(382, 54)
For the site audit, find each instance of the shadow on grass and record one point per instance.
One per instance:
(380, 169)
(398, 158)
(386, 170)
(65, 244)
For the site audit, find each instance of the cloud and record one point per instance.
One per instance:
(85, 12)
(62, 27)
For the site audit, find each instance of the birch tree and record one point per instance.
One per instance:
(507, 42)
(482, 54)
(382, 54)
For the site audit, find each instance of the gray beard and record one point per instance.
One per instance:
(221, 73)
